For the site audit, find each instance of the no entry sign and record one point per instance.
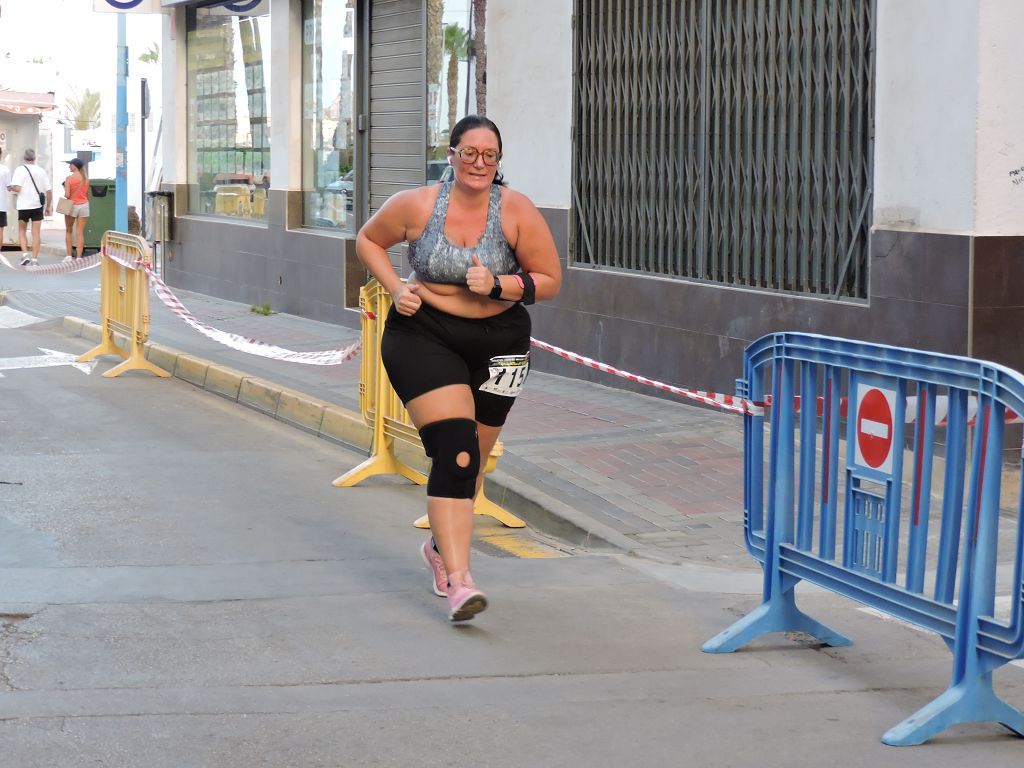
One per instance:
(874, 427)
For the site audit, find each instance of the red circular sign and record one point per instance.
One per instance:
(874, 428)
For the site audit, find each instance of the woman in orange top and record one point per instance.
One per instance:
(76, 189)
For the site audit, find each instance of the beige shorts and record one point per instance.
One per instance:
(80, 211)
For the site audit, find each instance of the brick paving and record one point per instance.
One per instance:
(664, 473)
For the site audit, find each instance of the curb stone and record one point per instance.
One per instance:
(347, 428)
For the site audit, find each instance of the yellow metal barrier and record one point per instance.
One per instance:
(383, 411)
(233, 200)
(124, 304)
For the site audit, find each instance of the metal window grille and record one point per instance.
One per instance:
(725, 140)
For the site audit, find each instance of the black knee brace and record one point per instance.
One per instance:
(443, 441)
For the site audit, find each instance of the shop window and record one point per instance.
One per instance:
(328, 122)
(228, 113)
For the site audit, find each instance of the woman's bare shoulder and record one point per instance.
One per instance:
(403, 215)
(516, 202)
(520, 209)
(411, 203)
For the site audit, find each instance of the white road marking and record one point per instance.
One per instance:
(12, 318)
(51, 358)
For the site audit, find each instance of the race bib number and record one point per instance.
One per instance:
(508, 374)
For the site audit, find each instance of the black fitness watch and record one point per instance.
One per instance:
(496, 290)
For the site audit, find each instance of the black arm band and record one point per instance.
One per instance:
(529, 288)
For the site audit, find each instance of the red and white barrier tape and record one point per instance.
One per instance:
(750, 407)
(233, 340)
(942, 411)
(61, 267)
(911, 410)
(725, 402)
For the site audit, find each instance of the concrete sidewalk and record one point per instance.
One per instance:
(592, 464)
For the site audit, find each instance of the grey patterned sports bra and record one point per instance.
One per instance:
(438, 261)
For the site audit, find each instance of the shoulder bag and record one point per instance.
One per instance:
(42, 196)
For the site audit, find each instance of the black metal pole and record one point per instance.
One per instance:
(144, 113)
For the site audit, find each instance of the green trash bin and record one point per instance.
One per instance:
(101, 210)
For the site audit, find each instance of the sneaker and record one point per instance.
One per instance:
(26, 260)
(67, 258)
(465, 601)
(436, 564)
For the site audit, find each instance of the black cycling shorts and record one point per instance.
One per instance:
(433, 349)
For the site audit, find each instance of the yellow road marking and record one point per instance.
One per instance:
(521, 546)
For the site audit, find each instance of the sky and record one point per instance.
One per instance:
(65, 47)
(76, 45)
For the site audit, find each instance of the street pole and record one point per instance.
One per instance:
(143, 114)
(121, 180)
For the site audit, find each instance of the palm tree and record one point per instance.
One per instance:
(455, 41)
(435, 58)
(84, 109)
(152, 54)
(479, 29)
(435, 51)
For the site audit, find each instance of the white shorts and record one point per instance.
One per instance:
(80, 211)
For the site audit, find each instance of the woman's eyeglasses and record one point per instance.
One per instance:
(470, 154)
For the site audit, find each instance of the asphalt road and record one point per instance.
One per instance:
(181, 586)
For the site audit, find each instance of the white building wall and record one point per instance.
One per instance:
(175, 103)
(925, 117)
(286, 94)
(529, 95)
(1000, 123)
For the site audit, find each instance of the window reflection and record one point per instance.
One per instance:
(228, 113)
(328, 130)
(448, 72)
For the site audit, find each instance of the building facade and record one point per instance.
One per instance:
(287, 122)
(711, 171)
(25, 121)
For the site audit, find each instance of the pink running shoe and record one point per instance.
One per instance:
(435, 564)
(465, 601)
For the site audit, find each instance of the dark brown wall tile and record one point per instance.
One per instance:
(659, 327)
(998, 271)
(920, 266)
(999, 336)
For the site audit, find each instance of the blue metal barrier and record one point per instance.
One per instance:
(868, 547)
